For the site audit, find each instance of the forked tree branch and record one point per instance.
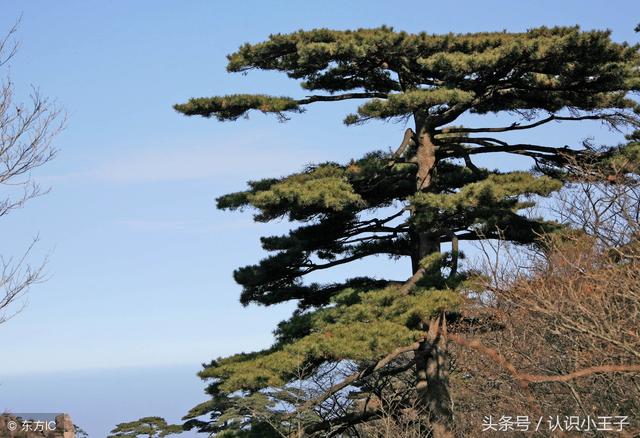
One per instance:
(524, 379)
(359, 375)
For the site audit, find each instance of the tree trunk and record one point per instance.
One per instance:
(431, 358)
(425, 156)
(432, 378)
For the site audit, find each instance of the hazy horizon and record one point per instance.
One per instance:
(97, 400)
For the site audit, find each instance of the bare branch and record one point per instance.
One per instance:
(26, 134)
(8, 45)
(524, 379)
(16, 277)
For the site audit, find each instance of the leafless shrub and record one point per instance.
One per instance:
(26, 134)
(570, 317)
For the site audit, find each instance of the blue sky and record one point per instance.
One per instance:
(140, 260)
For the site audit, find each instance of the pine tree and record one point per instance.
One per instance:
(416, 203)
(151, 427)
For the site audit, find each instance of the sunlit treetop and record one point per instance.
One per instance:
(398, 73)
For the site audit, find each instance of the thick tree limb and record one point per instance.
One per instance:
(457, 149)
(407, 141)
(517, 126)
(310, 267)
(366, 226)
(359, 375)
(470, 165)
(337, 97)
(406, 287)
(343, 422)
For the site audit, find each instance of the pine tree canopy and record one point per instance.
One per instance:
(151, 427)
(405, 204)
(397, 74)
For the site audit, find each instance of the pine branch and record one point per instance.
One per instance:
(455, 147)
(361, 374)
(611, 118)
(359, 229)
(337, 97)
(406, 287)
(470, 165)
(311, 267)
(368, 239)
(343, 422)
(377, 229)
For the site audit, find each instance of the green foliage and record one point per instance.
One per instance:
(361, 326)
(355, 340)
(543, 69)
(375, 205)
(332, 200)
(324, 188)
(152, 427)
(486, 206)
(234, 106)
(625, 158)
(402, 104)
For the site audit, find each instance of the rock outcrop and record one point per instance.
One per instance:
(12, 426)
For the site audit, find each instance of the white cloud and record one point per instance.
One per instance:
(163, 164)
(198, 163)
